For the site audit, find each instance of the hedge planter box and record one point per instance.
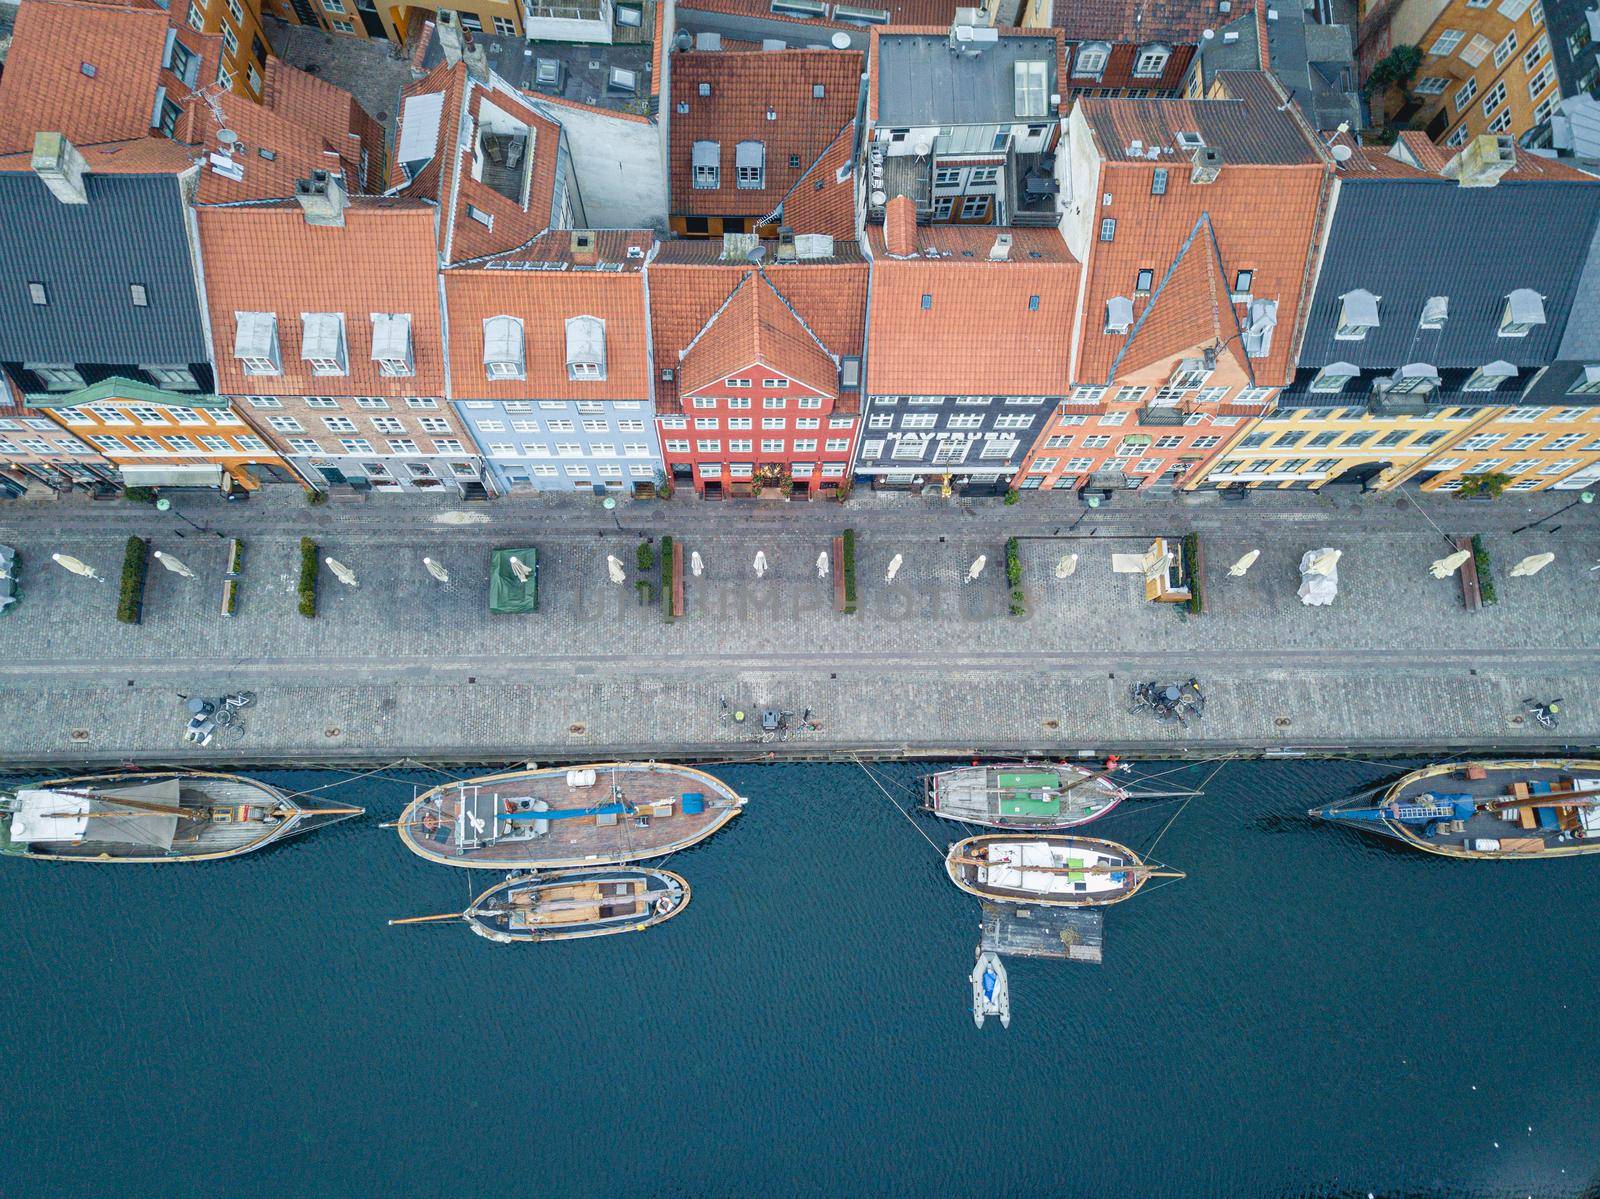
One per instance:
(309, 565)
(135, 564)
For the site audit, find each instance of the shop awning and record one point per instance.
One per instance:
(176, 474)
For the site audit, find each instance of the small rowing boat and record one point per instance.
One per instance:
(991, 993)
(1049, 869)
(571, 904)
(177, 817)
(1545, 808)
(555, 818)
(1021, 796)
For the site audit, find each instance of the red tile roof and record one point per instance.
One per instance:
(135, 156)
(824, 201)
(981, 331)
(829, 297)
(265, 258)
(745, 87)
(900, 227)
(543, 300)
(756, 327)
(1413, 156)
(1190, 307)
(976, 241)
(1134, 20)
(45, 87)
(901, 12)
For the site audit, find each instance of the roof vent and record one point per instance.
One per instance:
(1206, 165)
(582, 246)
(1435, 312)
(786, 247)
(708, 41)
(322, 198)
(1485, 159)
(1001, 250)
(60, 167)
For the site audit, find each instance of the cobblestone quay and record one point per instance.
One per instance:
(404, 666)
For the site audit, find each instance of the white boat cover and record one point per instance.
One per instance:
(63, 816)
(1009, 862)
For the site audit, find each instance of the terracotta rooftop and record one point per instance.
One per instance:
(485, 220)
(828, 296)
(970, 242)
(614, 250)
(1413, 156)
(824, 199)
(756, 325)
(1248, 124)
(744, 88)
(971, 326)
(901, 12)
(712, 251)
(134, 156)
(1189, 307)
(266, 258)
(1135, 20)
(544, 301)
(89, 71)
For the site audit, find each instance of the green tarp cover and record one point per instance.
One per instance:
(506, 592)
(1022, 804)
(1023, 784)
(1029, 780)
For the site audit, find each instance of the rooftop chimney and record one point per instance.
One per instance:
(583, 247)
(787, 251)
(323, 198)
(1001, 250)
(1206, 165)
(57, 162)
(1481, 164)
(477, 63)
(450, 39)
(900, 227)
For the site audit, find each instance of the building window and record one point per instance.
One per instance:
(1108, 229)
(1494, 98)
(1465, 96)
(1152, 60)
(1091, 58)
(1545, 77)
(750, 163)
(1478, 49)
(504, 26)
(1506, 47)
(1446, 42)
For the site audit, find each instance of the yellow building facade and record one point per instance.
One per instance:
(1539, 448)
(244, 41)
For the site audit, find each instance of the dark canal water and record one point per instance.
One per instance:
(1309, 1013)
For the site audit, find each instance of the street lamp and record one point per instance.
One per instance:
(610, 505)
(1586, 497)
(163, 504)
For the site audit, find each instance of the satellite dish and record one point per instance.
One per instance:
(878, 199)
(683, 40)
(1342, 153)
(840, 40)
(923, 149)
(756, 254)
(1208, 34)
(226, 137)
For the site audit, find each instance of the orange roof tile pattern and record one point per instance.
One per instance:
(544, 303)
(754, 327)
(745, 87)
(974, 241)
(901, 12)
(1135, 20)
(1189, 307)
(957, 326)
(824, 200)
(89, 71)
(1413, 156)
(135, 156)
(266, 258)
(829, 297)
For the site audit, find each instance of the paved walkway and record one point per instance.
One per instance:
(405, 666)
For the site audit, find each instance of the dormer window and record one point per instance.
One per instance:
(1242, 282)
(322, 342)
(391, 343)
(1524, 309)
(1435, 312)
(1119, 314)
(255, 343)
(1030, 89)
(1489, 378)
(1334, 376)
(502, 348)
(1152, 60)
(1190, 375)
(750, 160)
(1412, 379)
(707, 160)
(1091, 58)
(1263, 318)
(1358, 312)
(1144, 281)
(586, 347)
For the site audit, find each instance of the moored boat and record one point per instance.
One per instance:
(177, 817)
(612, 812)
(991, 992)
(1026, 796)
(1540, 808)
(571, 904)
(1049, 869)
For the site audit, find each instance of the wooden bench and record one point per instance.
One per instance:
(838, 574)
(677, 579)
(1471, 593)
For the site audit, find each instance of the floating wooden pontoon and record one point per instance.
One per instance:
(571, 904)
(1048, 869)
(179, 817)
(584, 816)
(1545, 808)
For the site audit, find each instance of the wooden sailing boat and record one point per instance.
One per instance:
(176, 817)
(1049, 869)
(549, 819)
(572, 904)
(1543, 808)
(1034, 797)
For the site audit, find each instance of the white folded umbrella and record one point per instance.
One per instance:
(614, 569)
(1531, 565)
(76, 566)
(172, 564)
(894, 568)
(977, 566)
(696, 563)
(519, 568)
(1065, 567)
(760, 565)
(437, 571)
(1238, 569)
(822, 565)
(342, 572)
(1443, 568)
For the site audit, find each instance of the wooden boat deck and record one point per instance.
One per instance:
(973, 795)
(965, 873)
(232, 815)
(577, 903)
(657, 824)
(1521, 832)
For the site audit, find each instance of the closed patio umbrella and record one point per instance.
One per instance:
(1531, 565)
(77, 567)
(341, 572)
(976, 568)
(437, 571)
(614, 569)
(1238, 569)
(1443, 568)
(172, 564)
(894, 568)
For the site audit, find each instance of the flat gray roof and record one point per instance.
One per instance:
(922, 81)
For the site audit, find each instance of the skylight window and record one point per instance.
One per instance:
(1029, 82)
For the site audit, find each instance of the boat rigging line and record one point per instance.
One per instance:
(896, 805)
(1150, 849)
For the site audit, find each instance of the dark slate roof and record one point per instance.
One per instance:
(1581, 341)
(1246, 121)
(1405, 240)
(922, 82)
(132, 230)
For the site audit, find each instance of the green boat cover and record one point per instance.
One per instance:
(1019, 793)
(1027, 780)
(507, 593)
(1020, 803)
